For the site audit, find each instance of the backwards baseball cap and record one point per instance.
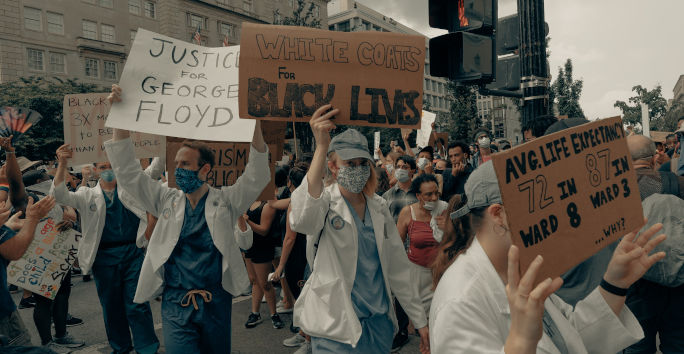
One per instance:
(350, 145)
(481, 190)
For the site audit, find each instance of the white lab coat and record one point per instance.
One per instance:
(223, 207)
(470, 314)
(324, 307)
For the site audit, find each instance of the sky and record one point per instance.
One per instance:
(614, 45)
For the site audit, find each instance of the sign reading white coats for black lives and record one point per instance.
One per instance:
(174, 88)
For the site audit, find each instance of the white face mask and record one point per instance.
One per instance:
(422, 162)
(402, 175)
(484, 142)
(429, 206)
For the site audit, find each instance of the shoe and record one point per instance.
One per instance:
(72, 321)
(282, 309)
(277, 322)
(68, 341)
(87, 278)
(304, 349)
(293, 329)
(53, 347)
(295, 341)
(253, 320)
(13, 289)
(76, 272)
(27, 302)
(399, 341)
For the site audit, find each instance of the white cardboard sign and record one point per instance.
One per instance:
(423, 134)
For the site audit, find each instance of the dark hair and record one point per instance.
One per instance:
(464, 147)
(297, 173)
(383, 180)
(670, 136)
(539, 125)
(33, 177)
(455, 240)
(407, 160)
(418, 181)
(429, 150)
(281, 176)
(206, 154)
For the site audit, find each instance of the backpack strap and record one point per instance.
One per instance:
(325, 220)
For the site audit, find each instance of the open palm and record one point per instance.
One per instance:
(632, 257)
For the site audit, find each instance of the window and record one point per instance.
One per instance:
(316, 11)
(343, 26)
(203, 40)
(427, 68)
(89, 29)
(91, 67)
(93, 2)
(109, 70)
(133, 33)
(226, 29)
(107, 33)
(33, 19)
(134, 7)
(57, 63)
(292, 3)
(55, 23)
(107, 3)
(332, 28)
(195, 21)
(247, 5)
(149, 9)
(35, 59)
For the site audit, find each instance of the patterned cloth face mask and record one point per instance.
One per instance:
(187, 180)
(353, 178)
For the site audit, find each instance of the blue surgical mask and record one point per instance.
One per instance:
(188, 180)
(107, 175)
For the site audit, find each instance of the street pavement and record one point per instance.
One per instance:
(84, 304)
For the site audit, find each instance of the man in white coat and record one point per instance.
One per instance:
(192, 258)
(113, 227)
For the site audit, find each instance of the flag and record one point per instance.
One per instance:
(197, 37)
(225, 40)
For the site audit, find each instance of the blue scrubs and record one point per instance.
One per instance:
(116, 271)
(195, 264)
(369, 298)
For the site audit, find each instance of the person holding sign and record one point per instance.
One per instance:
(113, 222)
(360, 261)
(482, 303)
(192, 259)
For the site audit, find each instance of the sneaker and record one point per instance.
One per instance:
(277, 322)
(282, 309)
(295, 341)
(56, 348)
(87, 278)
(68, 341)
(27, 302)
(293, 329)
(304, 349)
(13, 289)
(72, 321)
(253, 320)
(399, 341)
(75, 272)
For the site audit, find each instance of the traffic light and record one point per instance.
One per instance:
(507, 51)
(468, 53)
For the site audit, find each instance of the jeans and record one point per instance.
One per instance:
(55, 310)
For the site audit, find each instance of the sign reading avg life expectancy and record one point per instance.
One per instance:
(84, 129)
(174, 88)
(569, 194)
(375, 79)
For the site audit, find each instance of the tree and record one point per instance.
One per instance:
(669, 121)
(567, 92)
(45, 96)
(463, 121)
(631, 112)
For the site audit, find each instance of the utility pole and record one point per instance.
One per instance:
(534, 78)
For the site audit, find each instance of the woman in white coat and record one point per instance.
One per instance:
(360, 260)
(482, 305)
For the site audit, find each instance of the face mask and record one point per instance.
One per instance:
(389, 167)
(422, 162)
(429, 205)
(484, 142)
(401, 175)
(107, 175)
(438, 172)
(187, 180)
(353, 178)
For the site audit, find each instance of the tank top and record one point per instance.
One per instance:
(423, 246)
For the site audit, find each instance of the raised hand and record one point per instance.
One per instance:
(6, 143)
(321, 125)
(39, 210)
(64, 153)
(115, 94)
(631, 258)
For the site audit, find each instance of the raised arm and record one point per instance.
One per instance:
(16, 246)
(405, 132)
(59, 189)
(321, 125)
(17, 192)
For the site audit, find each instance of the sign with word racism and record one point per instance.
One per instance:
(569, 194)
(84, 129)
(423, 134)
(231, 158)
(175, 88)
(375, 79)
(48, 258)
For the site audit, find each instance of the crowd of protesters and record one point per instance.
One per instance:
(364, 252)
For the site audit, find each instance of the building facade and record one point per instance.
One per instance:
(502, 116)
(90, 39)
(351, 16)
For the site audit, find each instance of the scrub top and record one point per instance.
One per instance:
(119, 234)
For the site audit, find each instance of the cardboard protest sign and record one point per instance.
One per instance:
(84, 117)
(423, 134)
(569, 194)
(374, 78)
(48, 258)
(376, 144)
(175, 88)
(231, 158)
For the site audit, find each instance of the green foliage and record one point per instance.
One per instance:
(462, 122)
(300, 16)
(669, 121)
(631, 112)
(46, 97)
(566, 92)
